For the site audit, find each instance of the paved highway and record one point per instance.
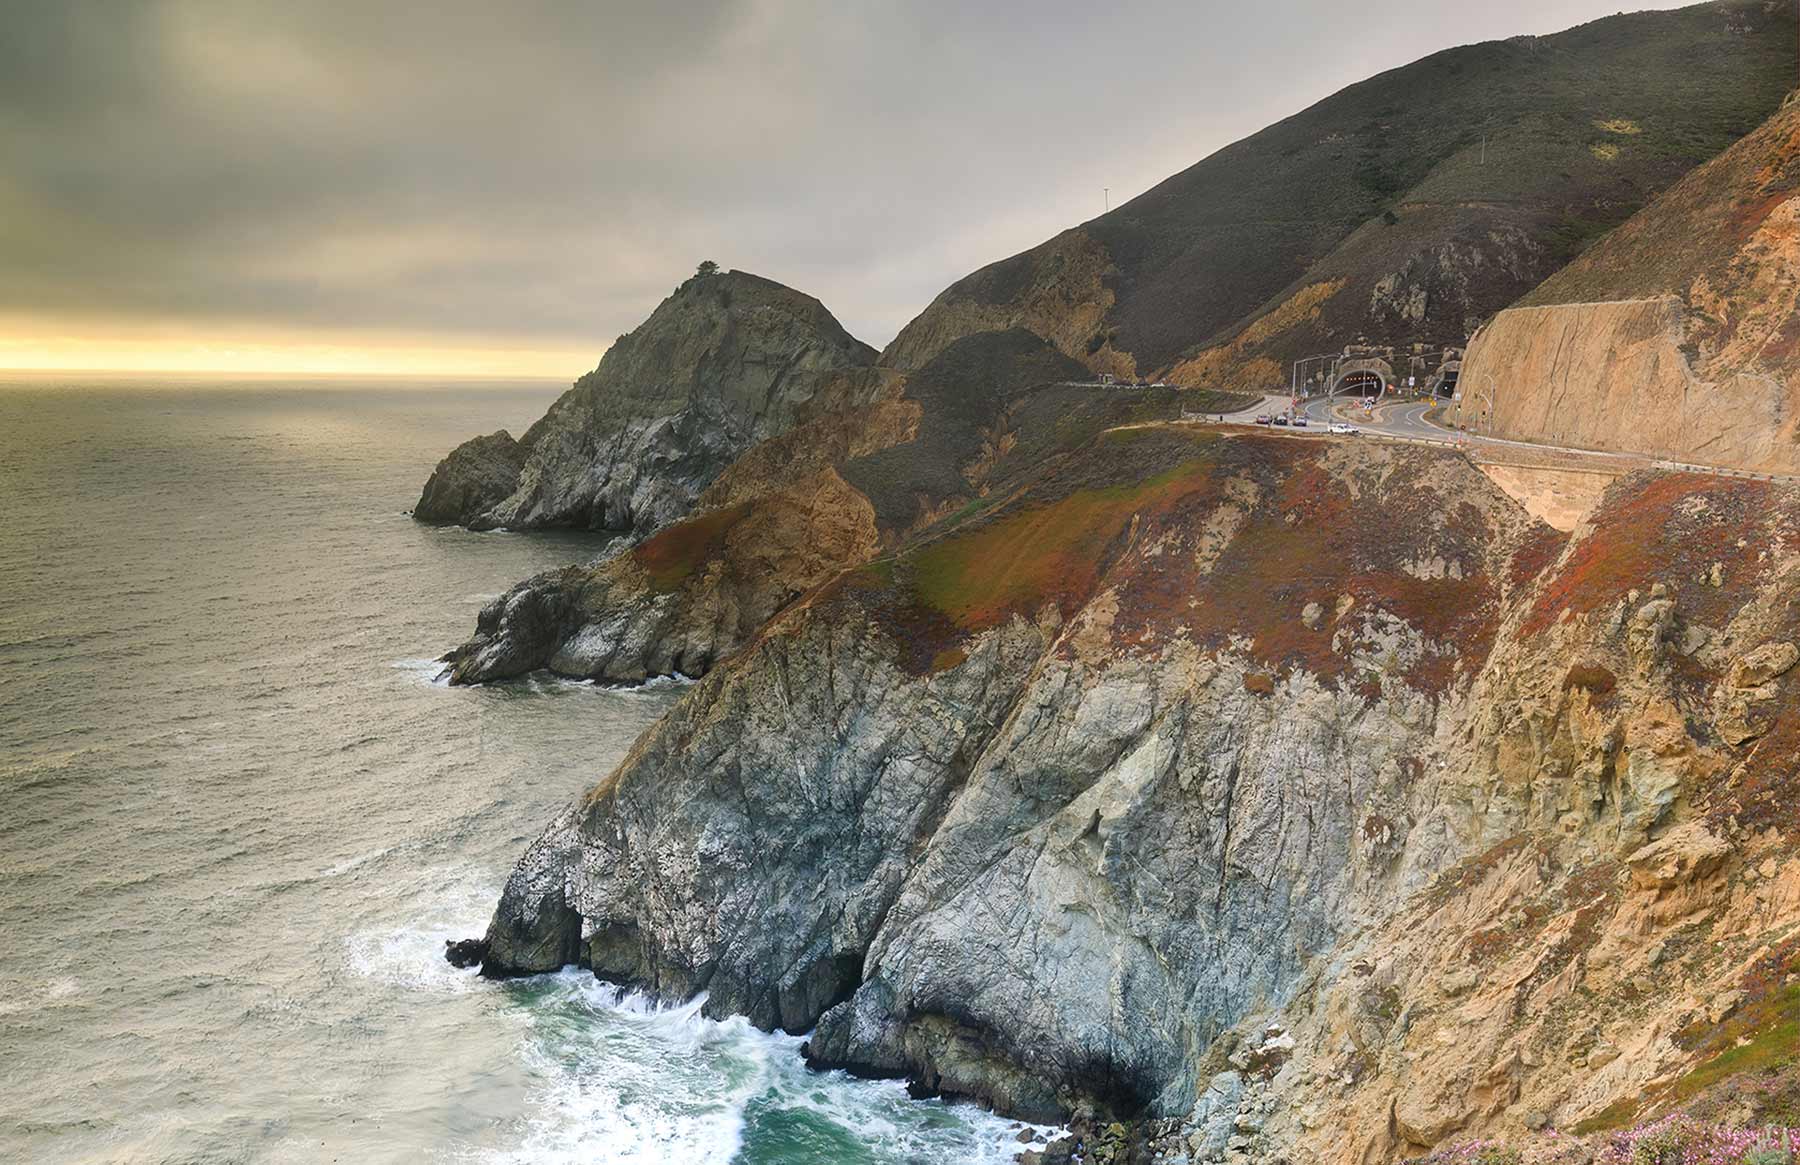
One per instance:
(1405, 418)
(1398, 418)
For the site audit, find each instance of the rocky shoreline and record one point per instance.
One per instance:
(1082, 847)
(1219, 795)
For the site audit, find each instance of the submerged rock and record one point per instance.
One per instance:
(465, 953)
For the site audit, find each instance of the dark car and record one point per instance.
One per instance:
(1281, 421)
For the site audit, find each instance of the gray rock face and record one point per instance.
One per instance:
(595, 623)
(1165, 850)
(518, 631)
(679, 601)
(1023, 880)
(1045, 867)
(477, 475)
(727, 361)
(766, 889)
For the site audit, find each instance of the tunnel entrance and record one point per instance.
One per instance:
(1362, 376)
(1446, 388)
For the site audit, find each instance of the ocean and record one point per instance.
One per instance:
(238, 819)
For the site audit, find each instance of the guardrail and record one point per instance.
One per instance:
(1471, 445)
(1721, 471)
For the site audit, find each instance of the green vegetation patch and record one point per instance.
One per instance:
(1017, 563)
(678, 553)
(1764, 1031)
(1670, 528)
(1761, 1038)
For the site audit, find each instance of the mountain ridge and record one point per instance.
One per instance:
(1677, 334)
(1180, 273)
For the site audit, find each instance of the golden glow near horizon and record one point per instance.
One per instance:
(36, 346)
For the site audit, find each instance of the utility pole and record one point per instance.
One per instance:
(1106, 192)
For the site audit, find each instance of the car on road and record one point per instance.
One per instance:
(1301, 422)
(1263, 419)
(1281, 421)
(1345, 430)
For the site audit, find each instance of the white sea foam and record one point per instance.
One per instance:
(411, 954)
(430, 672)
(663, 683)
(32, 996)
(621, 1080)
(339, 869)
(618, 1080)
(626, 1082)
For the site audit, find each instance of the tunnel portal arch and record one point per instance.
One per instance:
(1365, 377)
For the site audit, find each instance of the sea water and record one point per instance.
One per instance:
(239, 817)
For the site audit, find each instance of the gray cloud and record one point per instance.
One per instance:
(544, 173)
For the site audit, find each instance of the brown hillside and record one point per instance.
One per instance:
(1677, 335)
(1380, 210)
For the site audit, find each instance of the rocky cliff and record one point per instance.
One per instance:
(727, 361)
(986, 415)
(1677, 335)
(1407, 208)
(1315, 801)
(1290, 800)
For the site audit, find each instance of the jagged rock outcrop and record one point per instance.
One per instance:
(1036, 809)
(727, 361)
(478, 475)
(1407, 208)
(678, 602)
(1313, 797)
(1620, 934)
(1676, 336)
(980, 418)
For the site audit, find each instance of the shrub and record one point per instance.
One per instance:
(1681, 1140)
(1473, 1153)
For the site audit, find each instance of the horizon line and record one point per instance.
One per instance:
(265, 373)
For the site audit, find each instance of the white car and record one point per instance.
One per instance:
(1346, 430)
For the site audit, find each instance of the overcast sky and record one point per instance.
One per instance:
(506, 186)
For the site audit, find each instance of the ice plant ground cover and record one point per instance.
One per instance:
(1681, 1140)
(1672, 1140)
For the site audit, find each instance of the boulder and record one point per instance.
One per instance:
(476, 476)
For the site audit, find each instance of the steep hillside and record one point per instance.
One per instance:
(728, 360)
(1306, 802)
(1408, 208)
(1677, 335)
(990, 414)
